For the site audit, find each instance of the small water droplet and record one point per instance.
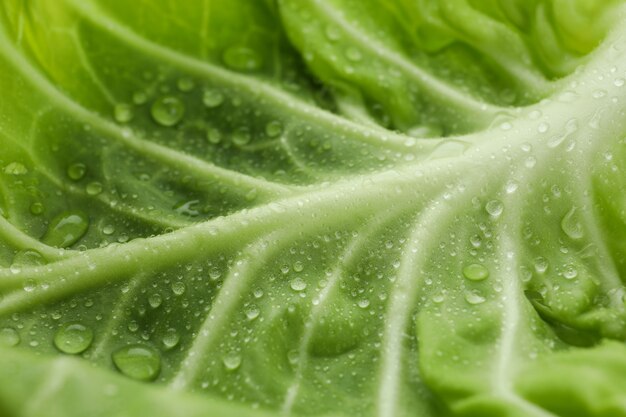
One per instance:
(541, 264)
(213, 135)
(298, 266)
(123, 113)
(185, 85)
(511, 187)
(167, 111)
(353, 54)
(494, 208)
(570, 272)
(571, 225)
(474, 297)
(273, 129)
(597, 94)
(15, 168)
(9, 337)
(212, 98)
(475, 272)
(94, 188)
(178, 288)
(140, 98)
(73, 338)
(619, 82)
(28, 257)
(171, 338)
(37, 208)
(241, 58)
(241, 136)
(215, 273)
(76, 171)
(506, 126)
(138, 362)
(298, 284)
(332, 33)
(543, 127)
(232, 361)
(364, 303)
(155, 300)
(66, 229)
(252, 312)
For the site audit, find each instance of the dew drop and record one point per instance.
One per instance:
(298, 266)
(15, 168)
(364, 303)
(570, 272)
(29, 257)
(571, 225)
(215, 274)
(37, 208)
(9, 337)
(543, 127)
(599, 94)
(241, 58)
(241, 136)
(123, 113)
(252, 312)
(474, 297)
(475, 272)
(619, 82)
(212, 98)
(66, 229)
(332, 33)
(167, 111)
(171, 338)
(94, 188)
(354, 54)
(178, 288)
(185, 85)
(213, 136)
(140, 98)
(541, 264)
(298, 284)
(232, 361)
(155, 300)
(273, 129)
(138, 362)
(494, 208)
(76, 171)
(73, 338)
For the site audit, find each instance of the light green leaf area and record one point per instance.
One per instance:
(312, 208)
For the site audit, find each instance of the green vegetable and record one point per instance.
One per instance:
(252, 208)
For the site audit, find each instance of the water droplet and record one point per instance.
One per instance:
(570, 272)
(241, 136)
(476, 241)
(155, 300)
(138, 362)
(66, 229)
(571, 126)
(171, 338)
(475, 272)
(140, 98)
(178, 288)
(571, 225)
(511, 187)
(298, 284)
(94, 188)
(298, 266)
(15, 168)
(215, 273)
(541, 264)
(494, 208)
(213, 135)
(29, 285)
(474, 297)
(293, 356)
(354, 54)
(9, 337)
(599, 94)
(73, 338)
(37, 208)
(252, 312)
(543, 127)
(167, 111)
(438, 298)
(506, 126)
(364, 303)
(241, 58)
(29, 257)
(108, 229)
(123, 113)
(619, 82)
(15, 268)
(212, 98)
(232, 361)
(273, 129)
(185, 84)
(332, 33)
(76, 171)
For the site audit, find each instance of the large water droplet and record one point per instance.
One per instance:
(232, 361)
(273, 129)
(242, 58)
(474, 297)
(475, 272)
(298, 284)
(212, 98)
(9, 337)
(66, 229)
(73, 338)
(171, 338)
(167, 111)
(123, 113)
(138, 362)
(178, 287)
(76, 171)
(571, 225)
(494, 208)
